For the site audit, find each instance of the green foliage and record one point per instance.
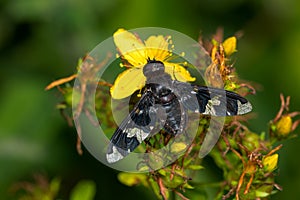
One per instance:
(84, 190)
(247, 159)
(42, 189)
(41, 40)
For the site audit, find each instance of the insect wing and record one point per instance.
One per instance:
(176, 118)
(185, 92)
(135, 128)
(211, 101)
(219, 102)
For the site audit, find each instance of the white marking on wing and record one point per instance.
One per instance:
(243, 108)
(138, 133)
(114, 156)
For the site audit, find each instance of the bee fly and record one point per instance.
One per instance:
(173, 99)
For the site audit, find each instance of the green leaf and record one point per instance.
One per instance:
(262, 135)
(195, 167)
(84, 190)
(174, 183)
(155, 187)
(188, 161)
(162, 172)
(188, 186)
(261, 193)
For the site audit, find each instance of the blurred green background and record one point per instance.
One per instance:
(41, 40)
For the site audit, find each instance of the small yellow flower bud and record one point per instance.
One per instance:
(178, 147)
(283, 126)
(270, 162)
(229, 45)
(131, 179)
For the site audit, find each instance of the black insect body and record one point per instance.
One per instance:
(166, 102)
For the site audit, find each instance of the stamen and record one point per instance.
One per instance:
(163, 47)
(140, 93)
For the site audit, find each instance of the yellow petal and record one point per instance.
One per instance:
(229, 45)
(127, 83)
(130, 47)
(157, 47)
(178, 72)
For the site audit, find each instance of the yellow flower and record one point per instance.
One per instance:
(136, 52)
(270, 162)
